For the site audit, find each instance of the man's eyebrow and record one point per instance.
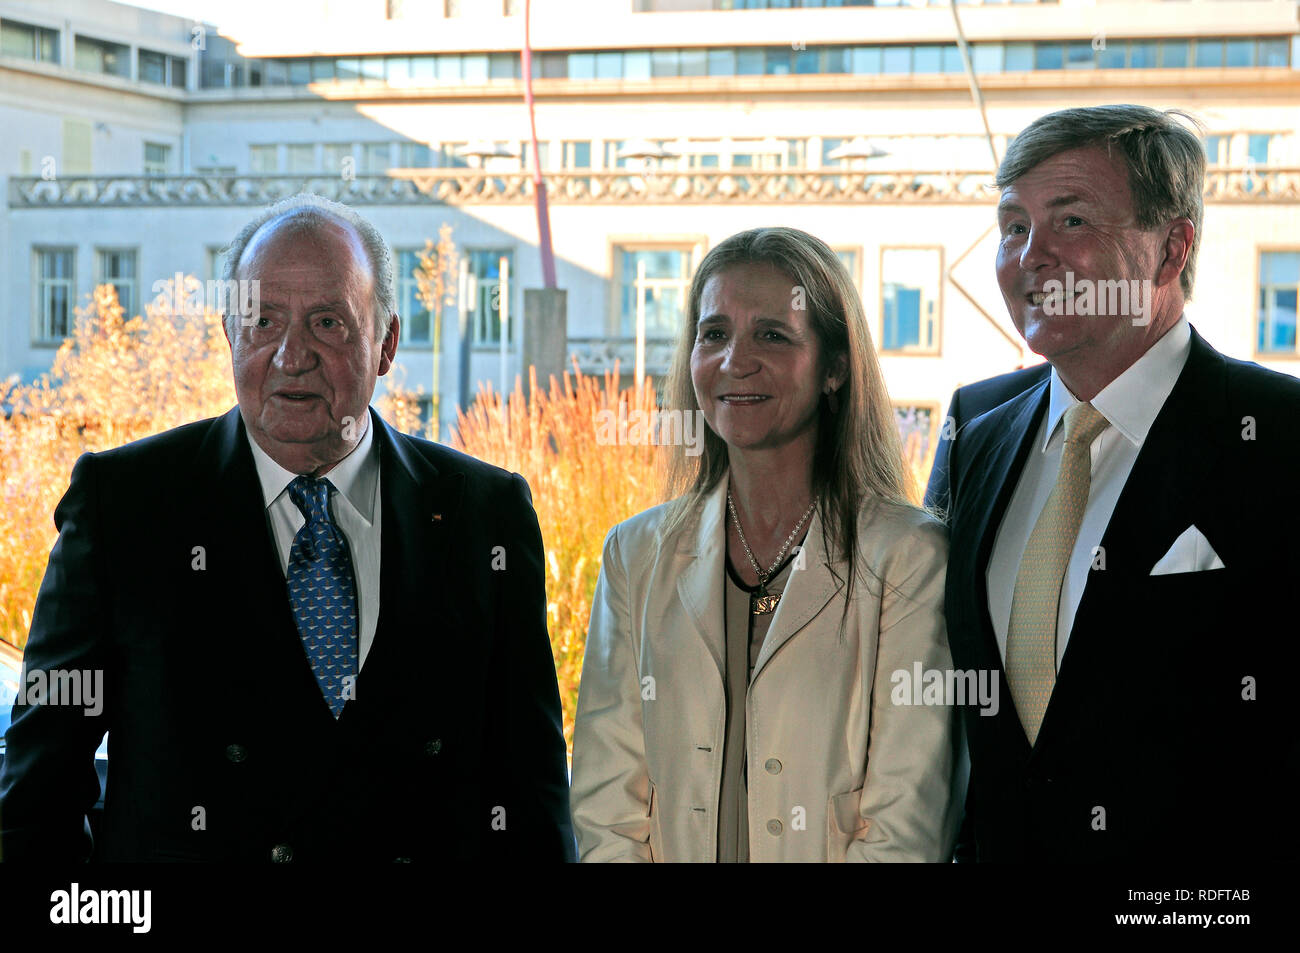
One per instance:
(1057, 202)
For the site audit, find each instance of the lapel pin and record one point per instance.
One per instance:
(437, 517)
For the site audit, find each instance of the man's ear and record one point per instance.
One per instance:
(388, 347)
(1177, 246)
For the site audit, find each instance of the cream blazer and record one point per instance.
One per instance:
(836, 770)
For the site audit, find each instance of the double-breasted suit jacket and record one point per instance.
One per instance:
(221, 746)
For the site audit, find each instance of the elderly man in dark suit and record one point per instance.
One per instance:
(320, 639)
(1122, 538)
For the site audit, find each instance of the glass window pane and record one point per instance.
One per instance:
(502, 66)
(1279, 268)
(1272, 52)
(1048, 56)
(554, 65)
(694, 63)
(896, 59)
(609, 65)
(582, 66)
(952, 61)
(474, 68)
(322, 70)
(837, 59)
(299, 72)
(925, 59)
(807, 61)
(1112, 55)
(398, 70)
(449, 68)
(347, 69)
(153, 67)
(1209, 53)
(1142, 54)
(777, 61)
(1241, 53)
(664, 62)
(1019, 57)
(749, 62)
(17, 39)
(722, 62)
(1080, 55)
(987, 57)
(866, 60)
(636, 65)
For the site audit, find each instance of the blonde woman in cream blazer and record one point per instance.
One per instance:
(836, 767)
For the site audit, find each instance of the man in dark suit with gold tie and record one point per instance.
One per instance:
(320, 639)
(1122, 534)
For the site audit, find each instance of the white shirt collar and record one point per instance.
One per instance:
(355, 476)
(1131, 401)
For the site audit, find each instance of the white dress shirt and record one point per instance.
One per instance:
(355, 508)
(1130, 402)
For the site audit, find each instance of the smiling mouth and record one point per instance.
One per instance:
(743, 399)
(1037, 298)
(297, 397)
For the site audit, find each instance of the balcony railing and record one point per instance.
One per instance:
(597, 355)
(477, 187)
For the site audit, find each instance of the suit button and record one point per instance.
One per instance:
(774, 827)
(772, 766)
(281, 854)
(236, 753)
(433, 747)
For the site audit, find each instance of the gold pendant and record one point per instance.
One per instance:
(764, 602)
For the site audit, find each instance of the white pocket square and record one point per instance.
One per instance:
(1191, 552)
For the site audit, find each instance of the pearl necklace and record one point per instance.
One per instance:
(763, 602)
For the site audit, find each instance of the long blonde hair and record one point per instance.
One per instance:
(858, 452)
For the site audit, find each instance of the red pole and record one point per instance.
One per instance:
(539, 188)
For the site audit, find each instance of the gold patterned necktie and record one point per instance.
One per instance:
(1031, 634)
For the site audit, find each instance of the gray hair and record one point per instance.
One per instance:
(309, 211)
(1165, 160)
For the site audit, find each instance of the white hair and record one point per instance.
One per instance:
(308, 211)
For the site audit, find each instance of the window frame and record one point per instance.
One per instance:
(920, 350)
(1257, 354)
(695, 246)
(39, 318)
(129, 308)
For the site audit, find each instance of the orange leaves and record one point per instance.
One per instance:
(114, 380)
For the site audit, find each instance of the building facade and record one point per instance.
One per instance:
(137, 143)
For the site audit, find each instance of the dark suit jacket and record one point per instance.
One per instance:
(968, 403)
(1169, 735)
(221, 746)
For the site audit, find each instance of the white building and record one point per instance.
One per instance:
(135, 144)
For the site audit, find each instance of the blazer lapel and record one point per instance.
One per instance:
(421, 514)
(806, 593)
(701, 573)
(991, 487)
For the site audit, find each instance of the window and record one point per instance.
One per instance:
(338, 158)
(909, 293)
(302, 157)
(850, 256)
(263, 158)
(55, 287)
(577, 154)
(117, 267)
(485, 295)
(157, 158)
(214, 260)
(526, 155)
(1279, 279)
(416, 318)
(662, 292)
(375, 157)
(154, 67)
(29, 42)
(1216, 149)
(414, 155)
(1261, 147)
(100, 56)
(449, 156)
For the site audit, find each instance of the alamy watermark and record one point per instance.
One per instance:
(73, 688)
(951, 686)
(242, 297)
(1119, 297)
(659, 428)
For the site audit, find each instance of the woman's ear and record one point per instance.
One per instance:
(838, 373)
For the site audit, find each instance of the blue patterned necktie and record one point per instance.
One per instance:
(323, 594)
